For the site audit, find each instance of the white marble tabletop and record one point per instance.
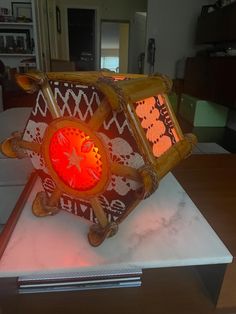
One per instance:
(13, 171)
(164, 230)
(13, 119)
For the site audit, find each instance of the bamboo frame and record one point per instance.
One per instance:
(7, 147)
(36, 147)
(31, 82)
(176, 153)
(125, 171)
(99, 116)
(99, 212)
(55, 197)
(145, 87)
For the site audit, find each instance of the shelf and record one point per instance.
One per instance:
(24, 47)
(218, 26)
(212, 79)
(17, 55)
(15, 24)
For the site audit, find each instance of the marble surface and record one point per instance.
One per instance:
(8, 196)
(164, 230)
(14, 173)
(11, 120)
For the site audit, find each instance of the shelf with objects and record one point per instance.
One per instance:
(18, 35)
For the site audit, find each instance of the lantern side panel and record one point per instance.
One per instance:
(158, 126)
(81, 101)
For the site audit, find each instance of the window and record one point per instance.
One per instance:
(110, 63)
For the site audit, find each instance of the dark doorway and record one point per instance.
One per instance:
(81, 30)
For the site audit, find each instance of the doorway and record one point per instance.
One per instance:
(114, 46)
(81, 35)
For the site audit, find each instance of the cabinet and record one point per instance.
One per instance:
(202, 113)
(211, 78)
(218, 26)
(18, 37)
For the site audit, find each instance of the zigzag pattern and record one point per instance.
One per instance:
(38, 109)
(81, 96)
(41, 108)
(114, 121)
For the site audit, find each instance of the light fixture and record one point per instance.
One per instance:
(100, 142)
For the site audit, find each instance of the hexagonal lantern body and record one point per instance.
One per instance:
(100, 143)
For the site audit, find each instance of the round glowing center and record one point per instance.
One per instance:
(75, 158)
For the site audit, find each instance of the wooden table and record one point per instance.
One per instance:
(210, 180)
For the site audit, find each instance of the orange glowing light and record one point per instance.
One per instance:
(75, 158)
(156, 129)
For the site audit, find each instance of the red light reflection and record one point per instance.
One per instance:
(75, 158)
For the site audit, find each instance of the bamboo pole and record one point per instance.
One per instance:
(88, 77)
(31, 82)
(36, 147)
(55, 197)
(99, 212)
(50, 100)
(125, 171)
(174, 155)
(99, 115)
(145, 87)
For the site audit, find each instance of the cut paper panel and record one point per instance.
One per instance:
(157, 123)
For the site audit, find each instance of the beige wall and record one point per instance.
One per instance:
(172, 24)
(53, 35)
(137, 40)
(106, 52)
(122, 9)
(124, 48)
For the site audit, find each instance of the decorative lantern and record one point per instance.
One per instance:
(100, 142)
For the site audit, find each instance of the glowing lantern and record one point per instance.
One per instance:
(99, 142)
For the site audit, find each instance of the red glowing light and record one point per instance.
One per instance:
(75, 158)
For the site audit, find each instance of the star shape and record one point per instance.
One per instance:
(74, 159)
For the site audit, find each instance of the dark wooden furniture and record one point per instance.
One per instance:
(13, 99)
(210, 182)
(14, 96)
(218, 26)
(211, 78)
